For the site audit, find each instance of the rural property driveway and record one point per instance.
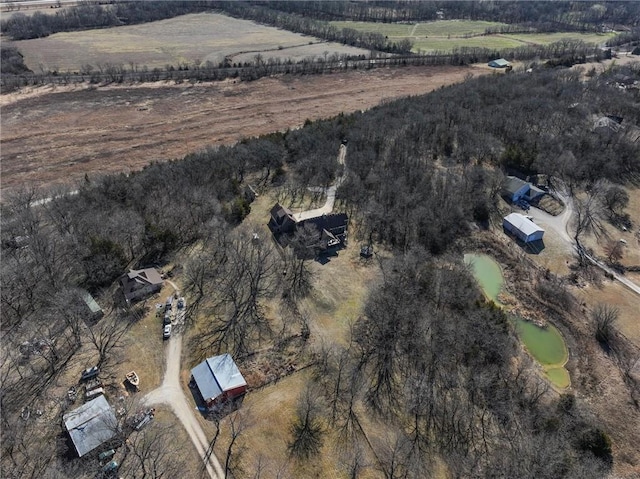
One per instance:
(171, 394)
(330, 192)
(560, 224)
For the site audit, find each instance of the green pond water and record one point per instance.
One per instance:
(546, 345)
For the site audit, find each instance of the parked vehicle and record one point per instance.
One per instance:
(106, 454)
(89, 373)
(166, 334)
(180, 303)
(168, 306)
(111, 467)
(94, 393)
(167, 319)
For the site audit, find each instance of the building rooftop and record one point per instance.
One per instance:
(513, 184)
(91, 425)
(216, 375)
(524, 224)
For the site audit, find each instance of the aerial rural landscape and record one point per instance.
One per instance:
(313, 239)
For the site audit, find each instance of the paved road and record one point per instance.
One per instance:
(560, 224)
(327, 208)
(171, 394)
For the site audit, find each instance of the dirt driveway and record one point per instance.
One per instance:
(56, 136)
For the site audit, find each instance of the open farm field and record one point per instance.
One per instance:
(440, 28)
(445, 35)
(187, 39)
(56, 136)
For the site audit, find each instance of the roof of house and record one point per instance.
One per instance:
(145, 276)
(328, 222)
(90, 425)
(500, 62)
(217, 375)
(279, 213)
(525, 225)
(513, 184)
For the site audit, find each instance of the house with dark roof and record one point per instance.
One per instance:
(331, 228)
(91, 425)
(515, 189)
(218, 380)
(138, 284)
(282, 220)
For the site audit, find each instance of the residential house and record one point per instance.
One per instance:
(515, 189)
(137, 284)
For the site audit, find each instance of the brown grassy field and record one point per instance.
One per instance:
(188, 39)
(53, 136)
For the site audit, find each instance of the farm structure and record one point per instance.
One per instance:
(137, 284)
(499, 63)
(91, 425)
(515, 189)
(92, 305)
(218, 380)
(523, 228)
(332, 228)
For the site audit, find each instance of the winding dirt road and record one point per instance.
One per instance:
(327, 208)
(171, 394)
(560, 224)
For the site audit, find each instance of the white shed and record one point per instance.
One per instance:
(522, 227)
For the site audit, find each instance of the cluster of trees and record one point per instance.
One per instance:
(564, 15)
(12, 61)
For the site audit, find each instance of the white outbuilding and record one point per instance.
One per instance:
(522, 227)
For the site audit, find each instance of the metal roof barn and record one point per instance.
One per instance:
(91, 425)
(522, 227)
(218, 378)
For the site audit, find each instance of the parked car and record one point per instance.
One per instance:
(166, 334)
(106, 454)
(180, 303)
(89, 373)
(167, 319)
(169, 304)
(111, 467)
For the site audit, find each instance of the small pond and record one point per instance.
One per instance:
(546, 345)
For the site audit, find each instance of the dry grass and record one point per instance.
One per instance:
(617, 295)
(188, 39)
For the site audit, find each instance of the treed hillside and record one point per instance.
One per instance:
(429, 358)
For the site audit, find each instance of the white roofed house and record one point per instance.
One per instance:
(522, 228)
(218, 380)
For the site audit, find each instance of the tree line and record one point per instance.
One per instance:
(16, 75)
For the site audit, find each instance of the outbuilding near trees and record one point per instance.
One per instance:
(91, 425)
(499, 63)
(218, 380)
(522, 228)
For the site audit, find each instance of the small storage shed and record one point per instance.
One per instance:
(91, 425)
(218, 380)
(523, 228)
(499, 63)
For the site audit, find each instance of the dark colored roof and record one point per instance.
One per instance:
(217, 375)
(513, 184)
(138, 279)
(90, 425)
(328, 222)
(279, 213)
